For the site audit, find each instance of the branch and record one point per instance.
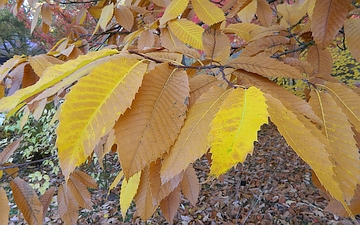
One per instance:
(27, 163)
(301, 48)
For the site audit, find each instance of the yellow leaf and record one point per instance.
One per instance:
(292, 13)
(234, 128)
(192, 141)
(188, 32)
(116, 181)
(327, 20)
(147, 130)
(247, 14)
(106, 15)
(27, 201)
(128, 191)
(208, 12)
(91, 108)
(352, 33)
(245, 31)
(5, 208)
(173, 10)
(338, 132)
(306, 140)
(347, 100)
(51, 77)
(266, 67)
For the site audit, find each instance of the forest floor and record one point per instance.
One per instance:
(273, 186)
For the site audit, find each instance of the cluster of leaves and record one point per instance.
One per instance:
(138, 98)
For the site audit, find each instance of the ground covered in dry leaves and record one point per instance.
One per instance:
(273, 186)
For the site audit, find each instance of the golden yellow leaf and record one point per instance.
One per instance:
(347, 100)
(245, 31)
(2, 91)
(338, 132)
(106, 15)
(116, 181)
(266, 67)
(173, 10)
(52, 76)
(128, 191)
(5, 208)
(234, 128)
(207, 12)
(67, 207)
(247, 14)
(27, 201)
(190, 185)
(91, 108)
(307, 141)
(188, 32)
(352, 33)
(147, 130)
(292, 13)
(170, 204)
(143, 198)
(327, 20)
(192, 141)
(264, 13)
(124, 17)
(338, 209)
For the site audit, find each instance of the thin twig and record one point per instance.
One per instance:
(27, 163)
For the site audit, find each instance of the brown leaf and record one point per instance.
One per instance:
(216, 46)
(338, 209)
(80, 193)
(5, 208)
(46, 13)
(27, 201)
(170, 204)
(190, 185)
(266, 67)
(9, 150)
(352, 32)
(68, 210)
(85, 179)
(45, 200)
(143, 198)
(124, 17)
(264, 13)
(321, 60)
(327, 20)
(200, 84)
